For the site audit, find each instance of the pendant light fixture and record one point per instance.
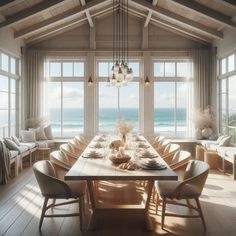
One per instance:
(120, 73)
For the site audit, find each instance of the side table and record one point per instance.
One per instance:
(43, 152)
(211, 158)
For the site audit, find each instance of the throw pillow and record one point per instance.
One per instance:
(16, 140)
(48, 132)
(39, 132)
(11, 145)
(28, 136)
(225, 141)
(220, 138)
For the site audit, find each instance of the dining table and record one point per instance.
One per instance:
(101, 168)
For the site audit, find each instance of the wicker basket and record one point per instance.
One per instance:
(119, 160)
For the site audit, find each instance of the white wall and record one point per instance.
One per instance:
(227, 45)
(9, 44)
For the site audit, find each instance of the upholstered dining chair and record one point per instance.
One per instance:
(169, 152)
(178, 164)
(156, 141)
(53, 188)
(190, 188)
(161, 146)
(76, 147)
(69, 152)
(180, 159)
(82, 141)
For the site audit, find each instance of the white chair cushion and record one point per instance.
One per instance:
(23, 148)
(13, 154)
(11, 145)
(29, 145)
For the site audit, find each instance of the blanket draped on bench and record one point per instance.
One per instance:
(4, 164)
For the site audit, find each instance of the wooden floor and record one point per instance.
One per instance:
(21, 201)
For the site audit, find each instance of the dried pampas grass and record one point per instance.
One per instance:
(124, 127)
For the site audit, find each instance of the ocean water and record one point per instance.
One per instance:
(74, 119)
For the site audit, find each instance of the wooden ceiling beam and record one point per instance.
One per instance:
(30, 12)
(8, 3)
(149, 16)
(229, 3)
(179, 19)
(87, 13)
(72, 13)
(206, 12)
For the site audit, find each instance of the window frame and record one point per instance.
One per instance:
(188, 79)
(221, 77)
(10, 129)
(66, 79)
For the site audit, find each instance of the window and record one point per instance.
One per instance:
(66, 97)
(8, 93)
(172, 97)
(115, 103)
(227, 97)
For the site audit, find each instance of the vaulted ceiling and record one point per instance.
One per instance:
(35, 20)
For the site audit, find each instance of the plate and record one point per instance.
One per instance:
(157, 166)
(92, 155)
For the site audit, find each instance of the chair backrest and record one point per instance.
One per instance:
(195, 177)
(171, 148)
(68, 150)
(76, 146)
(158, 139)
(180, 159)
(48, 182)
(60, 159)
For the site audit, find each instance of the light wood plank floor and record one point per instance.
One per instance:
(21, 202)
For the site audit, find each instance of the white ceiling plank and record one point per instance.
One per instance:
(8, 3)
(206, 12)
(179, 19)
(59, 18)
(87, 13)
(56, 30)
(31, 12)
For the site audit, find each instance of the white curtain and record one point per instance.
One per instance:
(202, 79)
(35, 85)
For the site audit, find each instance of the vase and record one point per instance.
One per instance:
(207, 132)
(123, 138)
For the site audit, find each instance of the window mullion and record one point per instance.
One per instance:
(62, 133)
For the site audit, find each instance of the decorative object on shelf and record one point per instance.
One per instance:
(204, 123)
(124, 128)
(121, 73)
(146, 82)
(90, 81)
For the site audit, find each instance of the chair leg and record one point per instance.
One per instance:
(157, 202)
(200, 212)
(163, 212)
(43, 213)
(81, 212)
(54, 202)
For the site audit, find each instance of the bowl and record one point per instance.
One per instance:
(119, 160)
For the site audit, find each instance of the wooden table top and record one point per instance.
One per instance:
(104, 169)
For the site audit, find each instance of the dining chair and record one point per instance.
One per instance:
(157, 141)
(180, 159)
(53, 188)
(169, 152)
(82, 141)
(77, 147)
(177, 164)
(190, 188)
(69, 151)
(161, 146)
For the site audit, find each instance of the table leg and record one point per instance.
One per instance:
(148, 191)
(93, 205)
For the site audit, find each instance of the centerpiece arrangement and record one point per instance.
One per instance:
(124, 128)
